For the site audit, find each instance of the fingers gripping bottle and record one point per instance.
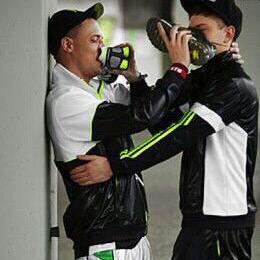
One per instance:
(201, 50)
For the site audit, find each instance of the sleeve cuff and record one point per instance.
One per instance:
(139, 83)
(138, 88)
(180, 69)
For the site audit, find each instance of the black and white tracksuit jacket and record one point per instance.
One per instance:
(97, 118)
(218, 137)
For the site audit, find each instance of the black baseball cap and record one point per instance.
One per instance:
(227, 10)
(63, 21)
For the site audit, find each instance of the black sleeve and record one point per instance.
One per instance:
(180, 105)
(139, 88)
(146, 109)
(162, 145)
(172, 116)
(214, 111)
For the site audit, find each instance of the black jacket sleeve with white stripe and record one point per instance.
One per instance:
(215, 107)
(148, 107)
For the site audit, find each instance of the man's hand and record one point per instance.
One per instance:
(177, 45)
(234, 49)
(131, 74)
(96, 170)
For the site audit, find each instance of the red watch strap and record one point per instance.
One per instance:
(180, 69)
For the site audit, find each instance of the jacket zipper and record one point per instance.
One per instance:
(116, 196)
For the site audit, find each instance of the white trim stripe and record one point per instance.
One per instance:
(225, 185)
(209, 116)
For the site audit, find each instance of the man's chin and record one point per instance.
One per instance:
(99, 71)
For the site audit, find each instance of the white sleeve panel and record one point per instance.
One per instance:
(209, 116)
(74, 112)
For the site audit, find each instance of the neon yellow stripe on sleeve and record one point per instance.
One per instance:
(150, 139)
(135, 152)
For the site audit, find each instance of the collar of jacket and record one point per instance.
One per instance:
(219, 59)
(63, 77)
(216, 64)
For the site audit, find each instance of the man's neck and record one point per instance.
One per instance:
(222, 48)
(75, 70)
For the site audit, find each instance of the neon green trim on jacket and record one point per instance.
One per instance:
(136, 151)
(150, 139)
(189, 119)
(100, 89)
(218, 248)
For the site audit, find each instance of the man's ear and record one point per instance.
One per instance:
(230, 34)
(67, 44)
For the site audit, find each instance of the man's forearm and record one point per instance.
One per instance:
(162, 145)
(113, 120)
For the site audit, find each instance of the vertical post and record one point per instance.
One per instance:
(54, 210)
(24, 155)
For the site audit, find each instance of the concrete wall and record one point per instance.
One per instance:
(24, 156)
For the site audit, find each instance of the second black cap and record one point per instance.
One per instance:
(227, 10)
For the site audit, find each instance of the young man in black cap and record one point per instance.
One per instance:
(218, 137)
(87, 115)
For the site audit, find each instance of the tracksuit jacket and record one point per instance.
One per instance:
(217, 133)
(97, 118)
(211, 118)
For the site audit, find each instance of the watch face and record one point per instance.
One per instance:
(153, 33)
